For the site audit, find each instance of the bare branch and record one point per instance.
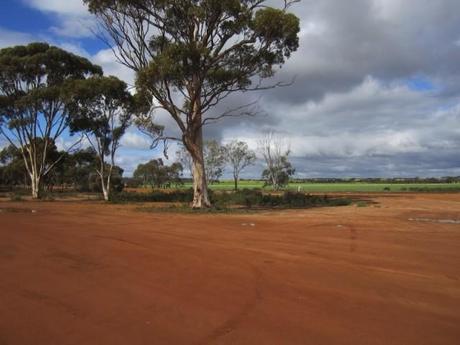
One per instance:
(250, 109)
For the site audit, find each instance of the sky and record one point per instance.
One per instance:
(376, 89)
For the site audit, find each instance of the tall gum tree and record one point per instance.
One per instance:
(189, 55)
(33, 114)
(101, 108)
(239, 157)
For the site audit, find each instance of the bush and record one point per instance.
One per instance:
(252, 198)
(361, 204)
(155, 196)
(16, 197)
(246, 198)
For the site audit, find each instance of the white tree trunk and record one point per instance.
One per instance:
(105, 191)
(35, 185)
(194, 145)
(105, 181)
(200, 187)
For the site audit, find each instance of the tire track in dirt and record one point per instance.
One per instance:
(233, 322)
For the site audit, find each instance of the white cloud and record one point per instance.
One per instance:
(74, 27)
(11, 38)
(111, 66)
(335, 112)
(72, 17)
(135, 140)
(68, 7)
(371, 119)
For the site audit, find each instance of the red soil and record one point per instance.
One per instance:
(89, 273)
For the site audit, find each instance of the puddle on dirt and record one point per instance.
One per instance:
(432, 220)
(17, 210)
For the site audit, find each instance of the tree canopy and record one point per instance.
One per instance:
(189, 55)
(238, 156)
(156, 174)
(33, 113)
(101, 108)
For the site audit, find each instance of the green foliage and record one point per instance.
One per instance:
(101, 108)
(33, 114)
(12, 169)
(245, 198)
(32, 79)
(95, 103)
(156, 174)
(155, 196)
(74, 170)
(252, 198)
(238, 156)
(278, 175)
(343, 186)
(214, 157)
(214, 160)
(266, 37)
(16, 197)
(203, 50)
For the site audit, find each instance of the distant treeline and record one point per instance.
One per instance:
(394, 180)
(135, 182)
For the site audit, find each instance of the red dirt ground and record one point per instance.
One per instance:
(88, 273)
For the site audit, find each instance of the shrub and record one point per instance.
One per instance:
(361, 204)
(155, 196)
(252, 198)
(246, 198)
(16, 197)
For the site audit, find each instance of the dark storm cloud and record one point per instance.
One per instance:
(343, 42)
(376, 92)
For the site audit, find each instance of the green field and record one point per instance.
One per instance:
(345, 187)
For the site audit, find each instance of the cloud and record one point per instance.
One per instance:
(11, 38)
(111, 66)
(376, 92)
(135, 140)
(68, 7)
(374, 87)
(371, 120)
(71, 16)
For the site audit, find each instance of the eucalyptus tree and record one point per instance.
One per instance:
(185, 160)
(239, 157)
(189, 55)
(275, 152)
(33, 114)
(101, 108)
(12, 170)
(213, 156)
(156, 174)
(214, 160)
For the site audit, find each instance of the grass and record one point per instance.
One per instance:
(351, 187)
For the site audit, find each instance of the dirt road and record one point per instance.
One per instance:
(88, 273)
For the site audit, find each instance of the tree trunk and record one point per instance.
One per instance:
(35, 184)
(274, 180)
(200, 187)
(105, 191)
(105, 184)
(235, 178)
(194, 145)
